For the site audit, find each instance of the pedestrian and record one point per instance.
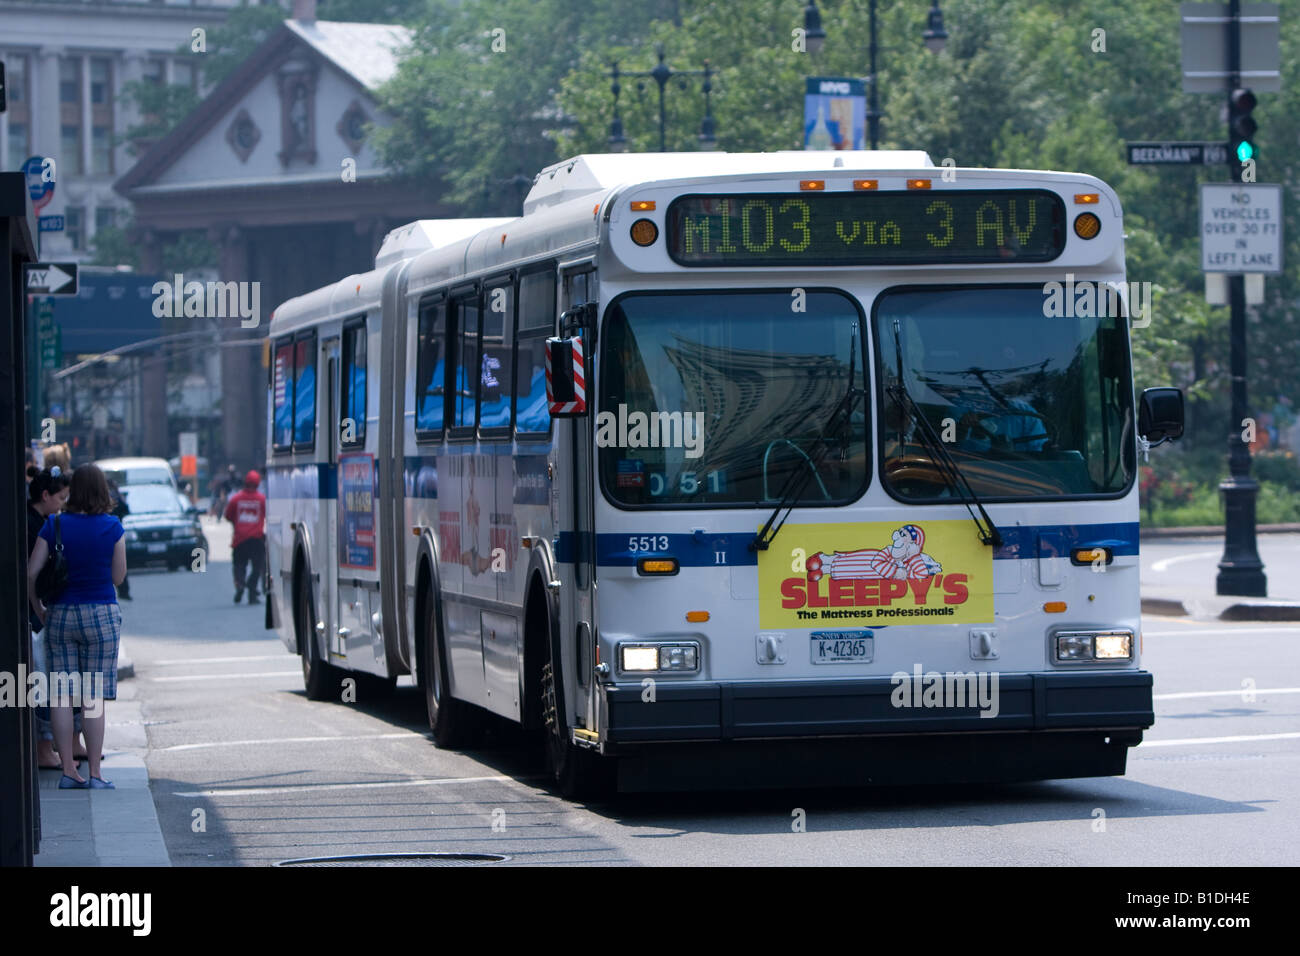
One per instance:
(83, 623)
(246, 510)
(120, 511)
(47, 493)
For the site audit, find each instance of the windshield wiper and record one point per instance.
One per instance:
(794, 486)
(940, 457)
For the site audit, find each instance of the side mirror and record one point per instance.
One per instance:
(1160, 415)
(566, 377)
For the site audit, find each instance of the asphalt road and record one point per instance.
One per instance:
(1181, 567)
(246, 771)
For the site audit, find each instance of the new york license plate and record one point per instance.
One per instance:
(841, 647)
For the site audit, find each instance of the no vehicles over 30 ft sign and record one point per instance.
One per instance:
(1241, 227)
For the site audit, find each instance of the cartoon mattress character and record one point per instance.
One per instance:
(904, 559)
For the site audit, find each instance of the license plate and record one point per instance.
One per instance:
(158, 547)
(841, 647)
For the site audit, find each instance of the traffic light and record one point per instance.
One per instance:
(1241, 127)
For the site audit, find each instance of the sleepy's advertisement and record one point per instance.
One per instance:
(933, 572)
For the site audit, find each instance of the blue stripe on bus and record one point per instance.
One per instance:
(291, 481)
(703, 550)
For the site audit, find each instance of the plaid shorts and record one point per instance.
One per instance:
(82, 639)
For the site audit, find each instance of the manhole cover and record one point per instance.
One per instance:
(399, 859)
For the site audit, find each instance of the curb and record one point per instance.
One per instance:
(1164, 606)
(125, 666)
(1261, 612)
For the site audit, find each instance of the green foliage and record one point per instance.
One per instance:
(160, 107)
(183, 252)
(230, 43)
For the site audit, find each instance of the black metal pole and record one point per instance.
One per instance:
(1241, 572)
(873, 103)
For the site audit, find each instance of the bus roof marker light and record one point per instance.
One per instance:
(918, 184)
(866, 184)
(644, 232)
(1086, 225)
(812, 184)
(643, 205)
(1087, 199)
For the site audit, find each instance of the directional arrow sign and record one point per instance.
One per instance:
(52, 278)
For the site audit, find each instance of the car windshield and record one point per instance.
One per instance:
(1028, 404)
(152, 499)
(145, 475)
(715, 399)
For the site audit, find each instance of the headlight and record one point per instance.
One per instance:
(673, 658)
(132, 536)
(1094, 646)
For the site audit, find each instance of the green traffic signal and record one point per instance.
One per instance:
(1245, 150)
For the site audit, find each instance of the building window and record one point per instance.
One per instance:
(70, 115)
(19, 109)
(70, 148)
(105, 218)
(101, 150)
(154, 71)
(101, 82)
(74, 225)
(183, 74)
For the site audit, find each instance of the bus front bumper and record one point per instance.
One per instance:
(851, 733)
(713, 711)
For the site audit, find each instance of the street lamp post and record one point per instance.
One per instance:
(662, 74)
(934, 36)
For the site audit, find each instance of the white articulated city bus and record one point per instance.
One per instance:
(732, 470)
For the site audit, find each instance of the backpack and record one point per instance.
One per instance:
(53, 578)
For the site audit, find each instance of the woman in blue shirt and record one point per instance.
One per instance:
(83, 623)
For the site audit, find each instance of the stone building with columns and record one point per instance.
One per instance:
(275, 165)
(66, 63)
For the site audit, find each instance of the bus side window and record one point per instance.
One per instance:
(282, 396)
(304, 392)
(354, 385)
(536, 323)
(431, 371)
(496, 367)
(465, 398)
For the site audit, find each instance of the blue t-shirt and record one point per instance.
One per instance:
(88, 542)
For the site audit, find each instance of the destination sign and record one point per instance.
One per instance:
(867, 228)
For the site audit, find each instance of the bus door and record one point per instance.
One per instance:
(579, 286)
(352, 602)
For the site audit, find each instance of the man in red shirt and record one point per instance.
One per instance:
(246, 510)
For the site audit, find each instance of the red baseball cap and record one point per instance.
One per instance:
(252, 479)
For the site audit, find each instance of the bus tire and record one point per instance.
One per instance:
(453, 723)
(578, 773)
(320, 679)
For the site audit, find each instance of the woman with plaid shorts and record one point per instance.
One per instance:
(83, 623)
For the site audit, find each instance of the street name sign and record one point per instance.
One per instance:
(1177, 154)
(52, 278)
(51, 224)
(1241, 228)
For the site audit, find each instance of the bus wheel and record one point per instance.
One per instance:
(453, 722)
(319, 678)
(578, 773)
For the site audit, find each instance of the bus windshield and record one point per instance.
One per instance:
(715, 399)
(1029, 405)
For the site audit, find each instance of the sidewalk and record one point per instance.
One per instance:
(106, 827)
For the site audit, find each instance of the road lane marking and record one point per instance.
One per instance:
(1163, 564)
(1228, 693)
(220, 660)
(322, 787)
(1190, 741)
(163, 680)
(292, 740)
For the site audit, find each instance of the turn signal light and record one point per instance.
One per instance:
(1090, 556)
(644, 232)
(697, 617)
(1086, 226)
(1054, 607)
(657, 565)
